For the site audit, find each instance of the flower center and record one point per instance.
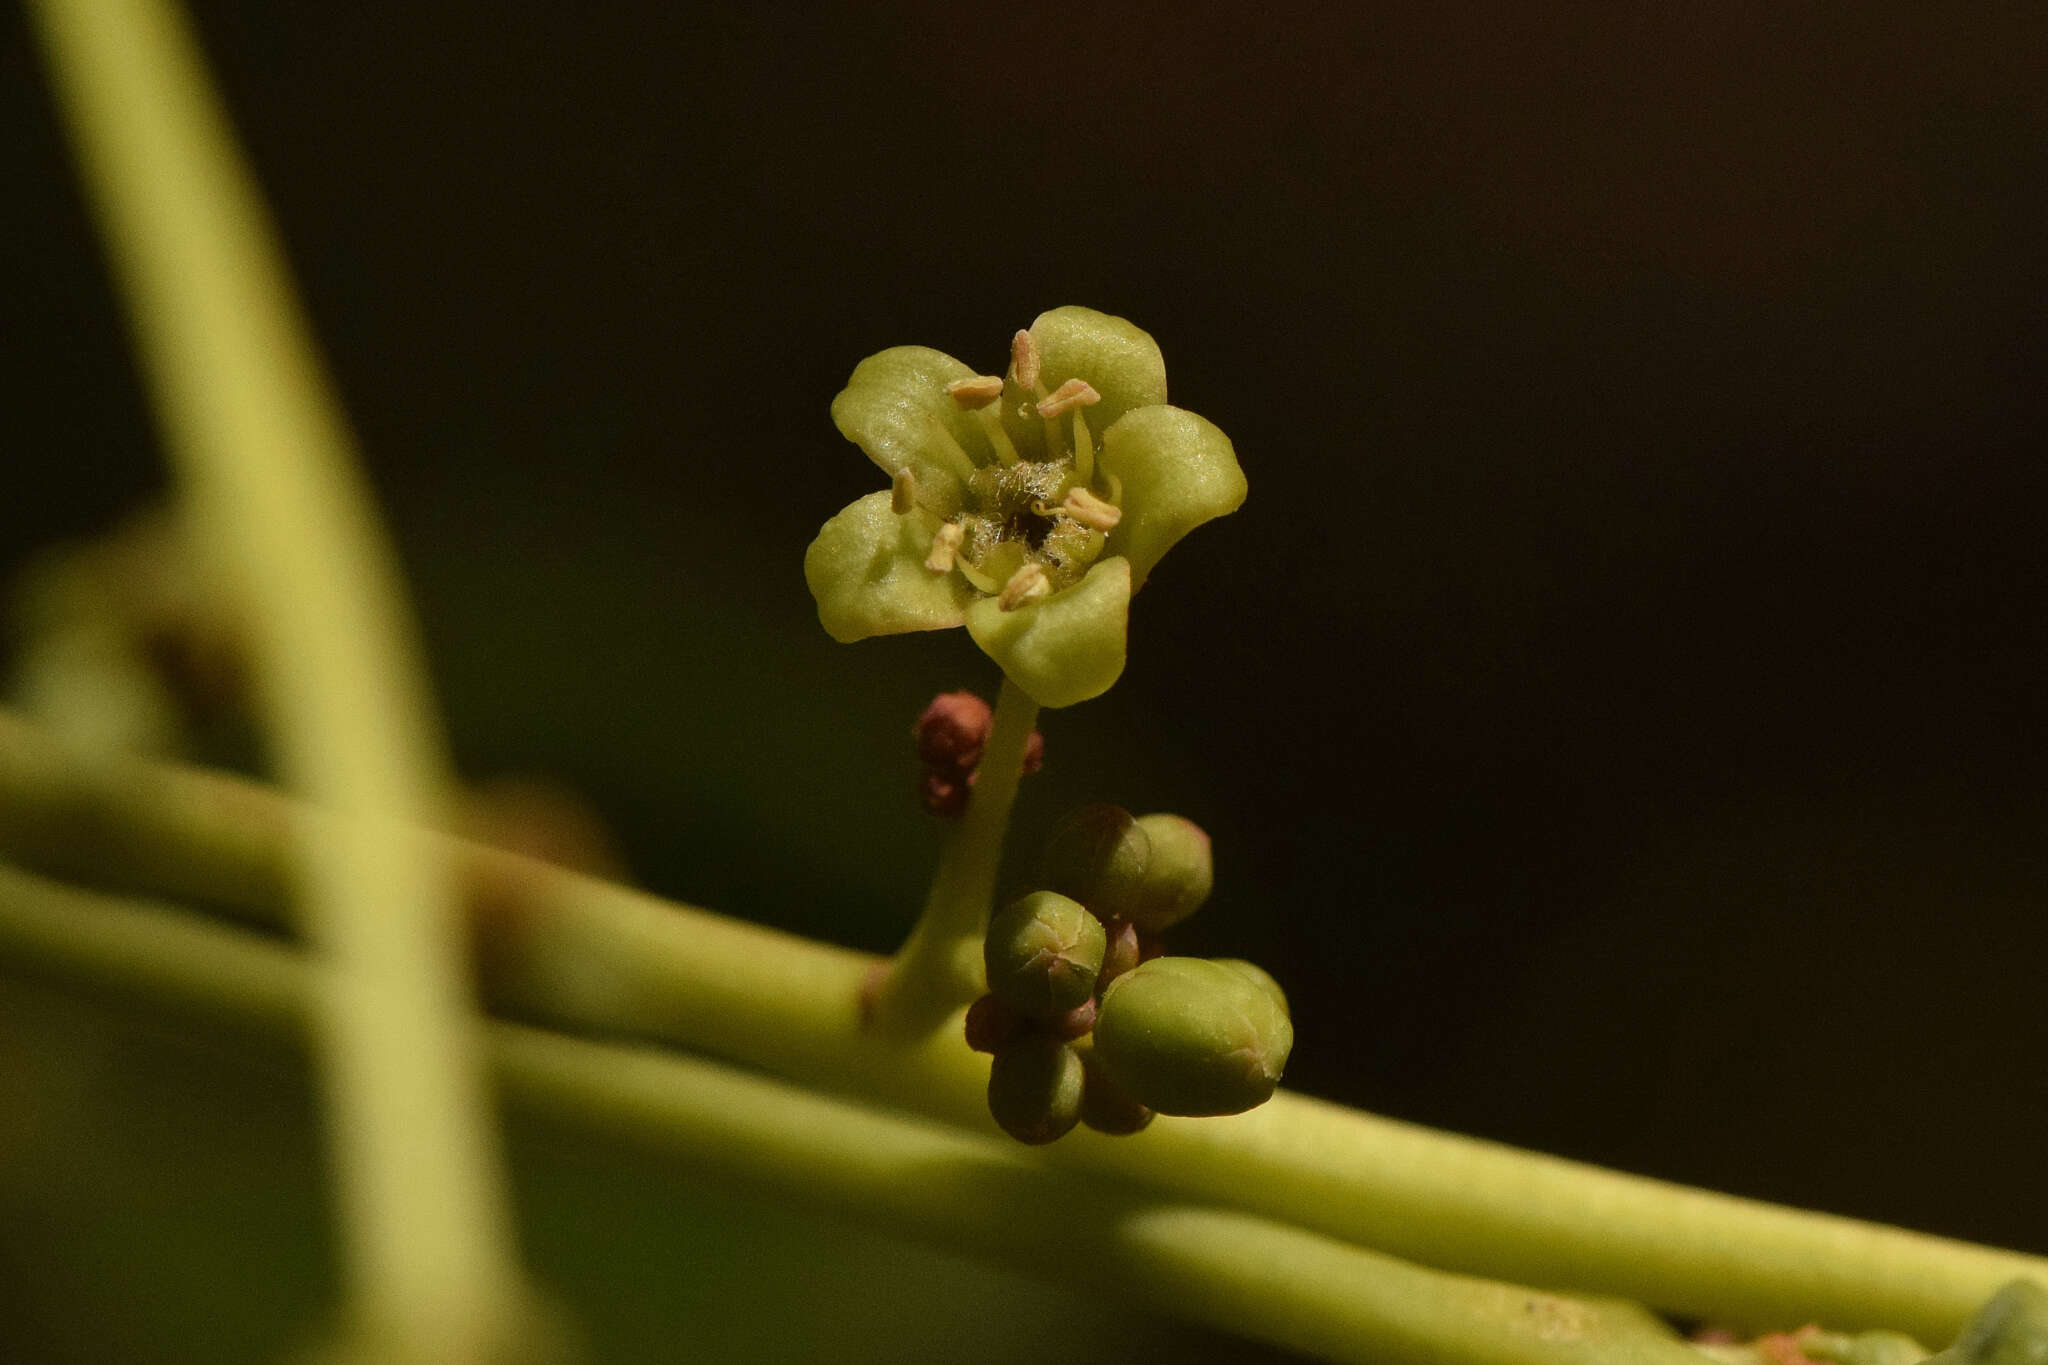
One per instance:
(1029, 527)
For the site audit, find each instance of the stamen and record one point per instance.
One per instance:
(1084, 448)
(1091, 511)
(977, 391)
(972, 572)
(1028, 584)
(945, 555)
(902, 491)
(1024, 359)
(963, 463)
(992, 423)
(1075, 393)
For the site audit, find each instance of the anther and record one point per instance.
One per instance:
(1028, 584)
(946, 548)
(1024, 359)
(1091, 511)
(977, 391)
(1075, 393)
(902, 491)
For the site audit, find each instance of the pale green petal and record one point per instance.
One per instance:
(1177, 471)
(1119, 358)
(1066, 648)
(895, 408)
(866, 568)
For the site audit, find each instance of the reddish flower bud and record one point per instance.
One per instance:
(993, 1024)
(951, 732)
(943, 796)
(1075, 1023)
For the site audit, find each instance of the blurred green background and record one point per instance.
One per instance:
(1618, 706)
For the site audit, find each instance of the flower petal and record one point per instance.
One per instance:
(895, 407)
(1177, 471)
(1068, 647)
(866, 569)
(1119, 358)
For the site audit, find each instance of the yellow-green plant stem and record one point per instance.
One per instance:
(268, 473)
(938, 968)
(607, 959)
(983, 1197)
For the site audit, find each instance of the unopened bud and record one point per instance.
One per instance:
(1043, 953)
(1104, 1105)
(1253, 972)
(1188, 1036)
(944, 795)
(1035, 1087)
(951, 732)
(1034, 753)
(1178, 875)
(1098, 856)
(1120, 951)
(1075, 1023)
(992, 1025)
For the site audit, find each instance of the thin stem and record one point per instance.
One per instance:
(976, 1196)
(938, 969)
(607, 959)
(267, 466)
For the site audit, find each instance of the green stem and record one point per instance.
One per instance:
(938, 969)
(597, 957)
(980, 1197)
(267, 466)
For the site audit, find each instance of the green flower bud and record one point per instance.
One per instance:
(1193, 1037)
(1104, 1105)
(2010, 1329)
(1034, 1089)
(1043, 954)
(1259, 974)
(1098, 855)
(1177, 876)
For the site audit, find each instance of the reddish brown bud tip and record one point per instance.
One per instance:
(1104, 1106)
(951, 732)
(992, 1024)
(1075, 1023)
(943, 796)
(1121, 954)
(1034, 753)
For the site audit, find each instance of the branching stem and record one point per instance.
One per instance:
(606, 959)
(938, 969)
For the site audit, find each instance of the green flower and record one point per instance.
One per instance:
(1028, 507)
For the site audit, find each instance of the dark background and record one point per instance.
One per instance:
(1618, 705)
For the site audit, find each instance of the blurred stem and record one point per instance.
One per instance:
(938, 969)
(268, 471)
(603, 958)
(976, 1196)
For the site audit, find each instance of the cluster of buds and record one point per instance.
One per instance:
(950, 736)
(1089, 1021)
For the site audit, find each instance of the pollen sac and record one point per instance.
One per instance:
(1035, 1087)
(1183, 1035)
(1043, 954)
